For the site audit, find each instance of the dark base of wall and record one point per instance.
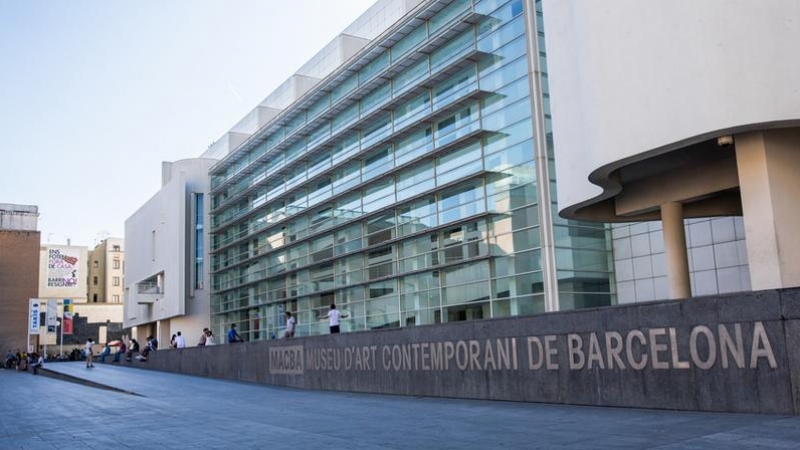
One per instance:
(726, 353)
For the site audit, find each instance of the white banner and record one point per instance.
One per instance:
(52, 315)
(33, 326)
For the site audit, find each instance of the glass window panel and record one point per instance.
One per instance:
(415, 108)
(346, 177)
(465, 293)
(502, 35)
(510, 73)
(409, 41)
(348, 146)
(295, 123)
(374, 99)
(409, 76)
(375, 66)
(581, 237)
(416, 180)
(417, 144)
(465, 274)
(349, 206)
(376, 130)
(581, 259)
(319, 107)
(453, 49)
(507, 137)
(343, 89)
(319, 134)
(449, 13)
(377, 163)
(460, 195)
(454, 85)
(345, 117)
(379, 195)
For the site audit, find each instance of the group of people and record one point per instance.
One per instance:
(22, 361)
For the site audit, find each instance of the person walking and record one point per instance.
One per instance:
(180, 341)
(88, 348)
(334, 316)
(291, 324)
(233, 336)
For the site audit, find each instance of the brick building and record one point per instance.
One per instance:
(19, 271)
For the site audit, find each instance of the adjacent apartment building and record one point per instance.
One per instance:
(412, 184)
(106, 271)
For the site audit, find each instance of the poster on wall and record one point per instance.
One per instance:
(62, 267)
(66, 322)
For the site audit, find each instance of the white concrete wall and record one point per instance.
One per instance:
(158, 239)
(18, 217)
(632, 78)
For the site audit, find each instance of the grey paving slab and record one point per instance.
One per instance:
(181, 412)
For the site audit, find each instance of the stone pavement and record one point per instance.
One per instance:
(182, 412)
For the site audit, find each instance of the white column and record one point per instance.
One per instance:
(675, 248)
(769, 178)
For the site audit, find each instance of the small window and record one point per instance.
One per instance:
(116, 248)
(115, 281)
(94, 280)
(116, 298)
(95, 264)
(116, 264)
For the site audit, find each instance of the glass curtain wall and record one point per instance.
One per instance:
(406, 193)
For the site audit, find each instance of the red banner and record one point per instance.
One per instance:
(66, 321)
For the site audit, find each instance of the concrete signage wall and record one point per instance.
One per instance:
(726, 353)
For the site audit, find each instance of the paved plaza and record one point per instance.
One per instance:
(169, 411)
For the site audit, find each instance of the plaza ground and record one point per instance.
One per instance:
(169, 411)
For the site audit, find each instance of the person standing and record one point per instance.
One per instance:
(173, 341)
(88, 348)
(180, 341)
(203, 338)
(209, 338)
(334, 316)
(233, 336)
(291, 324)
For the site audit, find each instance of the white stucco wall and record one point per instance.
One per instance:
(628, 77)
(158, 239)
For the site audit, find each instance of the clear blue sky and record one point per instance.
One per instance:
(95, 94)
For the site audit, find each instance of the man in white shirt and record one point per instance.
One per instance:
(88, 348)
(334, 316)
(291, 324)
(180, 341)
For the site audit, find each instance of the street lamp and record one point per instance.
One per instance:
(61, 340)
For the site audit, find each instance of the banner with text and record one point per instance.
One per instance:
(63, 267)
(35, 310)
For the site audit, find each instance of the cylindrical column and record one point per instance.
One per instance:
(675, 248)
